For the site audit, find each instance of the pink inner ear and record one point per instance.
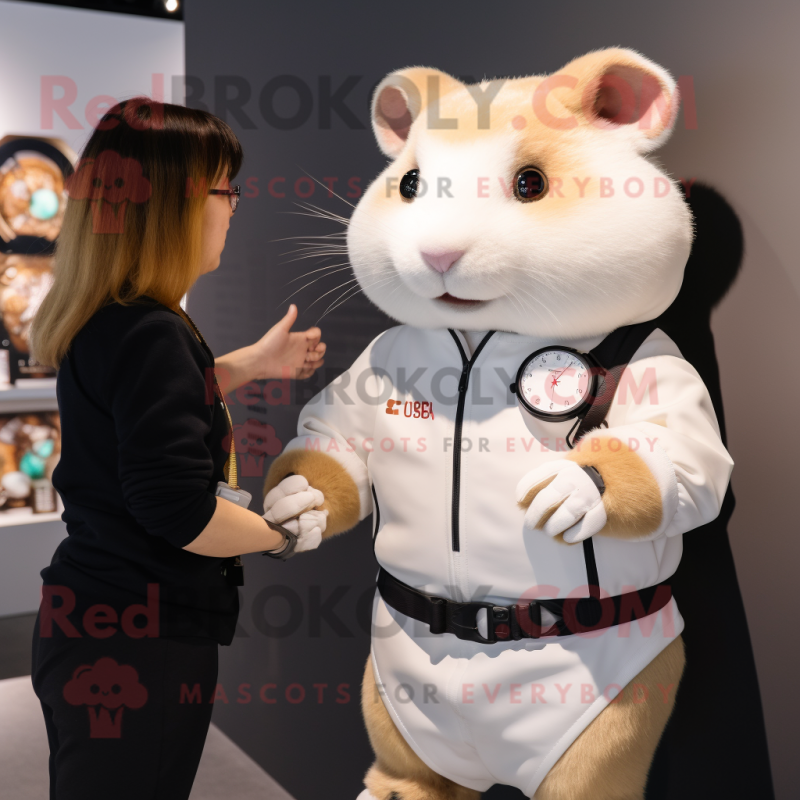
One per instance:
(626, 95)
(393, 116)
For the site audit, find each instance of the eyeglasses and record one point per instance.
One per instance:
(233, 195)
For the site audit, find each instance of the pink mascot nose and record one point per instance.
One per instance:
(441, 261)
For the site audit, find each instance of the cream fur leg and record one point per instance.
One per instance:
(398, 773)
(611, 758)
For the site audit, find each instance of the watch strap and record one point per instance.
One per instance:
(290, 542)
(596, 478)
(612, 355)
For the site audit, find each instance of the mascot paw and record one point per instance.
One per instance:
(561, 498)
(290, 498)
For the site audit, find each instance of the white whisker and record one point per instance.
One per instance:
(331, 267)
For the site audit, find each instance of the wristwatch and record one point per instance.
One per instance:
(596, 478)
(289, 539)
(557, 383)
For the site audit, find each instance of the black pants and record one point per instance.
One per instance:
(126, 718)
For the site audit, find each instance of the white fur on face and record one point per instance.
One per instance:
(555, 268)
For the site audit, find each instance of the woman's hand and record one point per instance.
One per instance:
(281, 348)
(280, 353)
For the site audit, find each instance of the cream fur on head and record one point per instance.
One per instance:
(605, 247)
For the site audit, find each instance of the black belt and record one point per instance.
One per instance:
(521, 620)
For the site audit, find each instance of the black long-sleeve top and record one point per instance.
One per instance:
(142, 450)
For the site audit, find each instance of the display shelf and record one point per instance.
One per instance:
(20, 399)
(35, 396)
(24, 551)
(10, 520)
(14, 517)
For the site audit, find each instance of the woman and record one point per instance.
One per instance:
(142, 591)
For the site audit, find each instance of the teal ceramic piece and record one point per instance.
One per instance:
(32, 465)
(44, 448)
(44, 204)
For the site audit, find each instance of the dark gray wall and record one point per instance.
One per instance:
(739, 56)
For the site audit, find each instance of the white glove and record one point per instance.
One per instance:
(308, 528)
(290, 498)
(581, 512)
(293, 504)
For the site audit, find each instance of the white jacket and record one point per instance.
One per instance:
(480, 714)
(407, 459)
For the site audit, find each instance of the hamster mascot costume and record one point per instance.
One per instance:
(531, 445)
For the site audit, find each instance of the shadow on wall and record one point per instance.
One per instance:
(713, 265)
(707, 726)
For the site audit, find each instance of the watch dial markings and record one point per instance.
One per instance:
(558, 376)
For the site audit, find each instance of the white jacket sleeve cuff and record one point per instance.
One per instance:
(345, 455)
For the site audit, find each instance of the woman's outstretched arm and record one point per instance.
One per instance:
(280, 353)
(234, 531)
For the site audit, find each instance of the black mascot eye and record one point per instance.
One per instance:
(119, 183)
(97, 183)
(116, 688)
(530, 184)
(409, 184)
(94, 689)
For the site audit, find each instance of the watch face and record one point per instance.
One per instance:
(555, 383)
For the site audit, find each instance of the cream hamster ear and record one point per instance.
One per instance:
(619, 87)
(398, 100)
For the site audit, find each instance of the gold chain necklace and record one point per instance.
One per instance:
(231, 471)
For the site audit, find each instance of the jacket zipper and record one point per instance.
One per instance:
(463, 384)
(377, 517)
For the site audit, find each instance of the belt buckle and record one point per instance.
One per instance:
(502, 615)
(510, 616)
(467, 629)
(516, 631)
(535, 616)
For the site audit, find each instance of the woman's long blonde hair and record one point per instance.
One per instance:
(133, 220)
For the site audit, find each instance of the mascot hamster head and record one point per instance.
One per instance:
(526, 205)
